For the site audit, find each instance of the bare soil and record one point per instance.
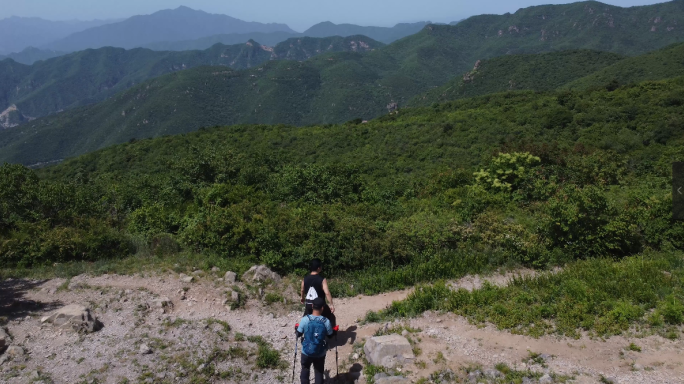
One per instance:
(189, 346)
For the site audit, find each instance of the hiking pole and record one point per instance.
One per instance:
(294, 363)
(337, 365)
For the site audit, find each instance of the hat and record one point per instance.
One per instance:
(318, 303)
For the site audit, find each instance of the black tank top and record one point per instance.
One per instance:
(313, 287)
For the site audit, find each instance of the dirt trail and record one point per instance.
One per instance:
(183, 340)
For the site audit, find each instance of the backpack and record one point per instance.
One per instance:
(314, 337)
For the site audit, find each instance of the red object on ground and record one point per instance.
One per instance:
(337, 328)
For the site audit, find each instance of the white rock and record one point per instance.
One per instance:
(145, 350)
(260, 273)
(230, 277)
(388, 351)
(185, 278)
(215, 269)
(546, 379)
(74, 316)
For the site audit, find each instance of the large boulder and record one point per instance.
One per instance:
(388, 351)
(260, 273)
(5, 339)
(74, 316)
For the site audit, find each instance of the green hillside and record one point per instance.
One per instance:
(515, 179)
(384, 34)
(540, 72)
(661, 64)
(94, 75)
(30, 55)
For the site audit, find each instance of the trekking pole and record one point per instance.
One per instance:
(294, 363)
(337, 365)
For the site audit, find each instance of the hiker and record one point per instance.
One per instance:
(315, 328)
(313, 286)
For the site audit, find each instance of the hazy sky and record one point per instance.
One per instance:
(299, 14)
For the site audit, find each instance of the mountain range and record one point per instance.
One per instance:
(90, 76)
(385, 35)
(336, 87)
(182, 23)
(19, 33)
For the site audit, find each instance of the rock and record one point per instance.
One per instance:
(5, 339)
(198, 272)
(74, 316)
(260, 273)
(201, 367)
(546, 379)
(235, 296)
(215, 269)
(388, 351)
(492, 373)
(474, 376)
(14, 353)
(404, 333)
(230, 277)
(355, 356)
(162, 302)
(145, 350)
(392, 380)
(545, 356)
(638, 367)
(185, 278)
(526, 380)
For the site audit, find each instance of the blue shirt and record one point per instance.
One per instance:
(304, 322)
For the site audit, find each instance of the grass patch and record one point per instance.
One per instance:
(272, 298)
(634, 347)
(223, 324)
(601, 296)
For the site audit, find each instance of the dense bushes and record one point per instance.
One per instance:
(385, 204)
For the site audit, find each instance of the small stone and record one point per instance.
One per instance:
(235, 296)
(215, 269)
(145, 350)
(230, 277)
(492, 373)
(546, 379)
(185, 278)
(355, 356)
(201, 368)
(526, 380)
(404, 333)
(198, 272)
(638, 367)
(161, 302)
(269, 316)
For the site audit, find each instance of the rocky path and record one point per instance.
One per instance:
(198, 339)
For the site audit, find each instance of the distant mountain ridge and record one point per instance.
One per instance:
(385, 35)
(30, 55)
(91, 76)
(337, 87)
(178, 24)
(19, 33)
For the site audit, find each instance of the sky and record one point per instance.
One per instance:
(298, 14)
